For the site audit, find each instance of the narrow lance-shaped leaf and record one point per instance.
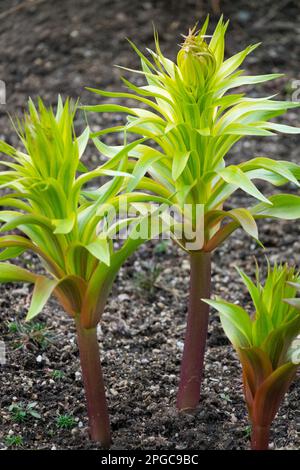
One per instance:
(100, 249)
(12, 273)
(234, 175)
(284, 206)
(43, 289)
(236, 322)
(269, 395)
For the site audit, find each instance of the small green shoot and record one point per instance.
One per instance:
(57, 374)
(65, 422)
(14, 441)
(21, 412)
(264, 342)
(36, 335)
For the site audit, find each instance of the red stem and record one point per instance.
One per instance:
(260, 437)
(196, 333)
(94, 385)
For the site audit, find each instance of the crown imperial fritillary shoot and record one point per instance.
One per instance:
(190, 117)
(71, 230)
(264, 342)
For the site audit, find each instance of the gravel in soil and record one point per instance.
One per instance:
(60, 47)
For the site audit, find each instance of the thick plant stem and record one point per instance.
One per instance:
(196, 333)
(94, 385)
(260, 437)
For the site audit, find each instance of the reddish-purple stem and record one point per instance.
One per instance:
(94, 385)
(192, 364)
(260, 437)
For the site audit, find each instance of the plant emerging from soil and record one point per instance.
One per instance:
(65, 422)
(21, 412)
(192, 119)
(71, 233)
(57, 374)
(34, 335)
(264, 342)
(14, 441)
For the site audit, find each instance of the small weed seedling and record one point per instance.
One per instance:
(14, 441)
(161, 247)
(35, 334)
(20, 412)
(65, 422)
(12, 327)
(57, 374)
(264, 344)
(146, 280)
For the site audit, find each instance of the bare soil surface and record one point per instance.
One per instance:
(60, 47)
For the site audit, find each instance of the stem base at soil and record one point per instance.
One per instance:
(94, 385)
(260, 437)
(196, 332)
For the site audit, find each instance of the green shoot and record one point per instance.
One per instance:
(35, 334)
(57, 374)
(161, 248)
(71, 229)
(20, 412)
(264, 341)
(65, 422)
(14, 441)
(191, 113)
(145, 281)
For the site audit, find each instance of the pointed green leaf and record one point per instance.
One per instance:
(234, 175)
(246, 220)
(100, 249)
(145, 162)
(269, 395)
(11, 252)
(252, 288)
(64, 226)
(293, 302)
(82, 141)
(274, 166)
(284, 206)
(12, 273)
(179, 163)
(262, 325)
(279, 340)
(235, 321)
(108, 108)
(243, 129)
(282, 128)
(43, 289)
